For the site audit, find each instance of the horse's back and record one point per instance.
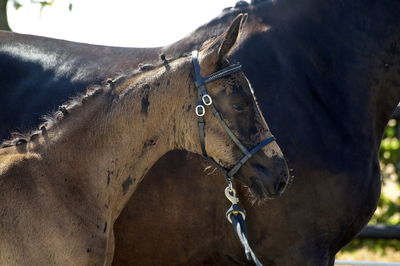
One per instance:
(37, 74)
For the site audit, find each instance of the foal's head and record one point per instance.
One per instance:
(265, 172)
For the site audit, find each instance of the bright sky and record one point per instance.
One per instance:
(134, 23)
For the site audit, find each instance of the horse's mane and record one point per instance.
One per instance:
(66, 108)
(54, 118)
(241, 3)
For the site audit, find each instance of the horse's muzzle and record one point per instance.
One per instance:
(266, 179)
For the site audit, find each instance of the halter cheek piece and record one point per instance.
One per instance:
(205, 100)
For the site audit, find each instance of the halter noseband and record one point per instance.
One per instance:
(204, 99)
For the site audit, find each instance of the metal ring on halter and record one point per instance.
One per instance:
(206, 99)
(200, 110)
(235, 210)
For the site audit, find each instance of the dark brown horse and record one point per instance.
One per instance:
(326, 74)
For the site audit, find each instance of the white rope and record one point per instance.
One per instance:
(366, 263)
(246, 245)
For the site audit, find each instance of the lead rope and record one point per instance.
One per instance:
(236, 216)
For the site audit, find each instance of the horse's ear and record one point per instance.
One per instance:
(216, 50)
(230, 36)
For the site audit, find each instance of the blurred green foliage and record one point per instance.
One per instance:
(379, 246)
(388, 211)
(43, 3)
(17, 4)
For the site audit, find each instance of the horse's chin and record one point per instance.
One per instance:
(255, 190)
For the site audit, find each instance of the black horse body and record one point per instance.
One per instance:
(38, 74)
(327, 78)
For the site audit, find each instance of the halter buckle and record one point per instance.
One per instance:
(200, 110)
(206, 99)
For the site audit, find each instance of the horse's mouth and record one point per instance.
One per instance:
(260, 191)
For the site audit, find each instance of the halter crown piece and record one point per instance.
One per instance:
(235, 215)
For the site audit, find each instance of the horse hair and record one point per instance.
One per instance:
(64, 109)
(52, 119)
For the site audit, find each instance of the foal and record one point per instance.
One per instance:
(61, 191)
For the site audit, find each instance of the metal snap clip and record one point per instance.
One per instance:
(206, 99)
(200, 110)
(230, 194)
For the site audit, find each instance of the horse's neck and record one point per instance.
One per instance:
(350, 49)
(358, 40)
(114, 140)
(371, 31)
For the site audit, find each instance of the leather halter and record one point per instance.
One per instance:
(204, 100)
